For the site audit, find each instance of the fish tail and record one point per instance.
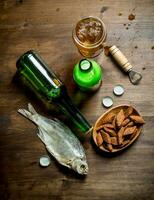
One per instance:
(28, 113)
(31, 109)
(25, 113)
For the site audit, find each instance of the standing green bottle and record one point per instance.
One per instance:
(46, 84)
(87, 75)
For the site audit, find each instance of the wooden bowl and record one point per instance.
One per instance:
(102, 119)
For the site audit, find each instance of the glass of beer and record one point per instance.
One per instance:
(89, 36)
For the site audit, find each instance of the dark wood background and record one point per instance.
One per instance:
(46, 26)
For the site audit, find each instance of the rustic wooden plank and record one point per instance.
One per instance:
(46, 26)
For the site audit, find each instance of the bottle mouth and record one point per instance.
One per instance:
(85, 65)
(90, 45)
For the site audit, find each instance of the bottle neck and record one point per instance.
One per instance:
(68, 108)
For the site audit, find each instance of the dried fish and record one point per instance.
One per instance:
(114, 141)
(114, 122)
(120, 135)
(59, 141)
(108, 147)
(108, 126)
(106, 137)
(129, 111)
(124, 143)
(136, 132)
(130, 124)
(109, 118)
(99, 139)
(125, 122)
(110, 131)
(120, 118)
(129, 130)
(137, 119)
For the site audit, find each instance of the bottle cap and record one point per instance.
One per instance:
(85, 64)
(107, 101)
(45, 161)
(118, 90)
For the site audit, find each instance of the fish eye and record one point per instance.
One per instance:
(82, 166)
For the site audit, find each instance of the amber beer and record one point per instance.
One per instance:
(89, 36)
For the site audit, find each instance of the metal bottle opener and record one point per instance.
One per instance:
(119, 57)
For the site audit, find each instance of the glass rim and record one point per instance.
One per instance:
(103, 37)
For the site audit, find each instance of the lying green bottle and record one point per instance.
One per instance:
(47, 86)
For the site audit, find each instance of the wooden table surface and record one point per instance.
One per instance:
(46, 26)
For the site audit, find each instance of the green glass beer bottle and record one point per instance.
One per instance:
(47, 86)
(87, 74)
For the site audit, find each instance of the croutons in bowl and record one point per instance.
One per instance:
(117, 128)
